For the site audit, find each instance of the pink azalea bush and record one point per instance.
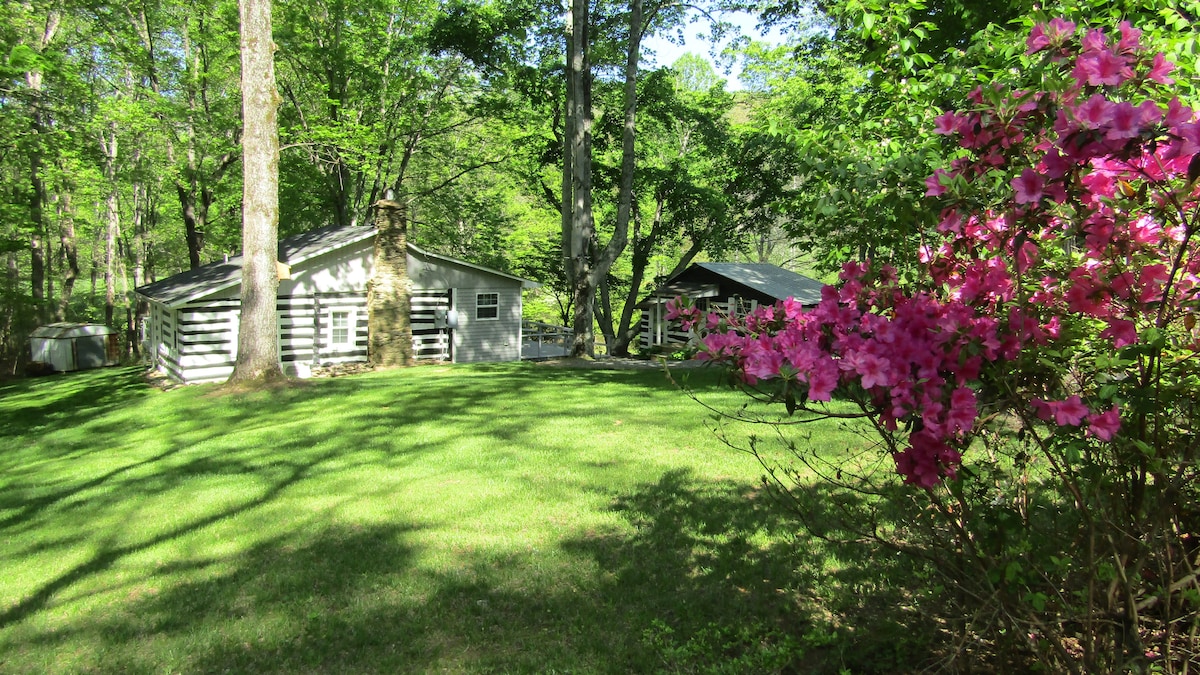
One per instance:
(1092, 237)
(1050, 330)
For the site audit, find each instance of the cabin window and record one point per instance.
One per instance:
(339, 328)
(487, 306)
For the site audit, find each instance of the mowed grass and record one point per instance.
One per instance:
(501, 518)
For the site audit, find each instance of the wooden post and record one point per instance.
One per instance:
(389, 295)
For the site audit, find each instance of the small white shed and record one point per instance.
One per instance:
(74, 346)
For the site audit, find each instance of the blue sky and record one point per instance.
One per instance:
(666, 53)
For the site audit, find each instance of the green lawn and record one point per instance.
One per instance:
(504, 518)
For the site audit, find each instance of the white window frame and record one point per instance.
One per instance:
(235, 325)
(494, 306)
(351, 329)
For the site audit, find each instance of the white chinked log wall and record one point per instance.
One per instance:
(197, 342)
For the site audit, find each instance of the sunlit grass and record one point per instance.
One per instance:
(510, 518)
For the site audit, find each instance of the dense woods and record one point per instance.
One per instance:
(515, 135)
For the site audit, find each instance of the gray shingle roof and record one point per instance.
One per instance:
(213, 277)
(770, 279)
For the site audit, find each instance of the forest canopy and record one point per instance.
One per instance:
(121, 131)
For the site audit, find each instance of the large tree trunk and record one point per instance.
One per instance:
(258, 331)
(389, 297)
(588, 268)
(582, 226)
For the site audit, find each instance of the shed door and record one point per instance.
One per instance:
(89, 352)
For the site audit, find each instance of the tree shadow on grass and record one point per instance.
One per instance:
(727, 570)
(68, 398)
(686, 560)
(684, 554)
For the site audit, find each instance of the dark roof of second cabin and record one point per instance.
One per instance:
(216, 276)
(762, 281)
(770, 280)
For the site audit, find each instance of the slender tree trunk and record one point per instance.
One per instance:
(141, 217)
(131, 343)
(8, 315)
(37, 195)
(37, 201)
(112, 220)
(97, 245)
(70, 254)
(604, 313)
(193, 186)
(258, 331)
(641, 259)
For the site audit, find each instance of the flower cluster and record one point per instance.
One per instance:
(1094, 238)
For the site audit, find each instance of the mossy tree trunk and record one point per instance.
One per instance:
(258, 330)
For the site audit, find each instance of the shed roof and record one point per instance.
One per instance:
(66, 331)
(217, 276)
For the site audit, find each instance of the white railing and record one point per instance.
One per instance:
(543, 340)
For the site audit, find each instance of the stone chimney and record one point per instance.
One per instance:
(389, 294)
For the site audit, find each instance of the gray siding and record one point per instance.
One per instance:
(488, 339)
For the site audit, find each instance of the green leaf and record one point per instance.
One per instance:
(1012, 571)
(1037, 601)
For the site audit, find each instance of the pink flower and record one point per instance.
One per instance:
(1177, 113)
(1149, 113)
(1054, 164)
(946, 123)
(821, 381)
(1037, 40)
(963, 409)
(1102, 68)
(792, 309)
(1069, 412)
(1125, 122)
(1094, 41)
(1028, 187)
(933, 184)
(1053, 327)
(1042, 409)
(1130, 38)
(1060, 29)
(1105, 425)
(1160, 69)
(1094, 112)
(1122, 332)
(676, 307)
